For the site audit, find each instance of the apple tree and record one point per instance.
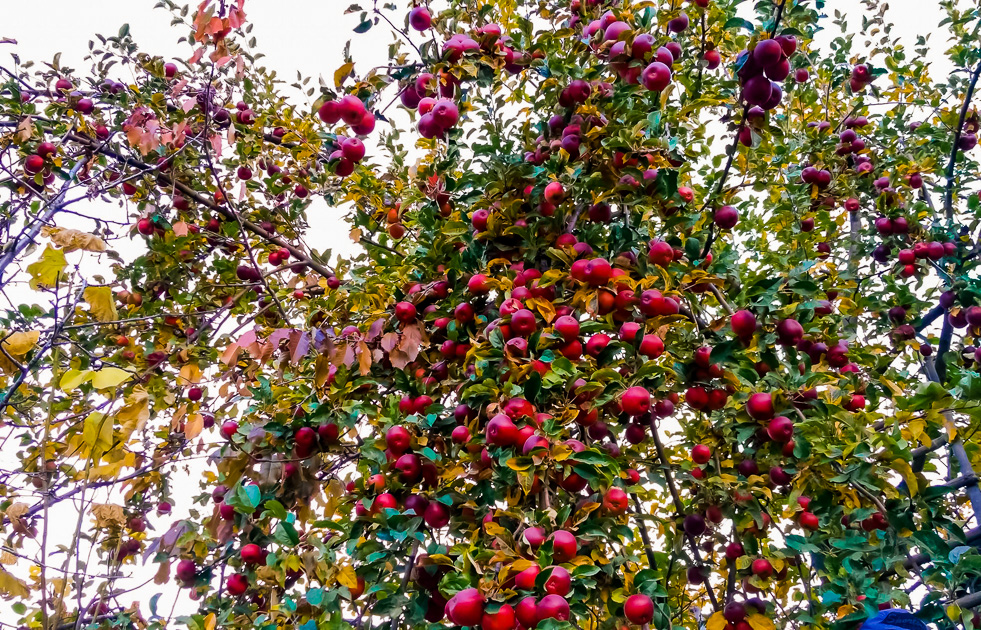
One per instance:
(662, 314)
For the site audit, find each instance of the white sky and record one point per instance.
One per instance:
(295, 35)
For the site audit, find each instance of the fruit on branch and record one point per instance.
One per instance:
(466, 608)
(236, 584)
(701, 454)
(760, 406)
(186, 572)
(638, 609)
(552, 607)
(726, 217)
(743, 323)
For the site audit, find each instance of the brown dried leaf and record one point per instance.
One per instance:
(108, 515)
(364, 358)
(25, 129)
(73, 240)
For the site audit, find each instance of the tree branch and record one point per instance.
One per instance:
(189, 192)
(680, 509)
(949, 190)
(648, 549)
(409, 565)
(31, 231)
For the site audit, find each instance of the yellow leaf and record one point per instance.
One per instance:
(526, 479)
(20, 343)
(133, 414)
(193, 426)
(210, 621)
(190, 375)
(894, 388)
(347, 577)
(743, 562)
(520, 565)
(951, 431)
(453, 472)
(514, 465)
(917, 432)
(47, 270)
(904, 469)
(73, 240)
(73, 379)
(544, 307)
(102, 306)
(438, 558)
(341, 73)
(364, 358)
(759, 622)
(15, 345)
(561, 452)
(106, 471)
(97, 434)
(493, 529)
(953, 612)
(716, 622)
(12, 587)
(110, 378)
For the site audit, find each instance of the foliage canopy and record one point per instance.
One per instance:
(663, 316)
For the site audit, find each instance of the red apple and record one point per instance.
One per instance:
(760, 406)
(564, 546)
(616, 500)
(397, 439)
(236, 584)
(527, 612)
(525, 580)
(701, 454)
(638, 609)
(466, 608)
(252, 554)
(553, 607)
(761, 567)
(636, 401)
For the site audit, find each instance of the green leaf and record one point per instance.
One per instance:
(737, 22)
(315, 596)
(533, 386)
(286, 534)
(276, 509)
